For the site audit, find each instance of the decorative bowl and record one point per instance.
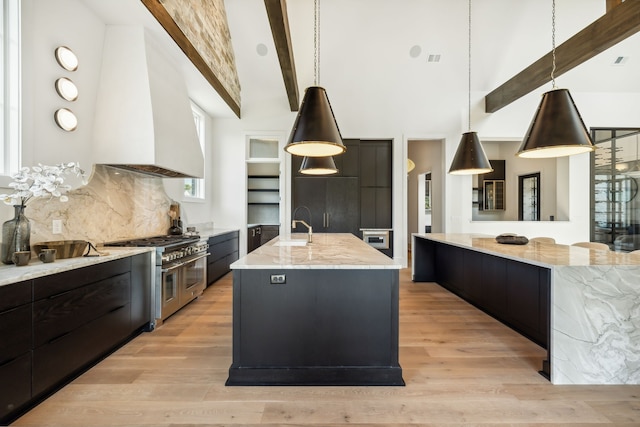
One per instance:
(64, 248)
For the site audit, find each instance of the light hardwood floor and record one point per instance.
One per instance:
(461, 367)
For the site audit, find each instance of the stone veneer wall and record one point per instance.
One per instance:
(204, 23)
(114, 205)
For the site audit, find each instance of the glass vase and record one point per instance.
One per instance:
(16, 235)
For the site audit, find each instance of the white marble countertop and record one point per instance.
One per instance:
(12, 273)
(536, 253)
(328, 251)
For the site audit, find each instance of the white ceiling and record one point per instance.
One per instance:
(365, 45)
(365, 49)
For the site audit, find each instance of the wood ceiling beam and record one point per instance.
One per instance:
(612, 3)
(616, 25)
(279, 22)
(167, 22)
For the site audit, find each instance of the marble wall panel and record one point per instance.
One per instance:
(114, 205)
(595, 320)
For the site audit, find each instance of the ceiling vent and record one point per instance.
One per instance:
(620, 60)
(433, 57)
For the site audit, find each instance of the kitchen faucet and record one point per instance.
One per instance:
(296, 221)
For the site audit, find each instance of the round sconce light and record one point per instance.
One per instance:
(66, 89)
(66, 58)
(65, 119)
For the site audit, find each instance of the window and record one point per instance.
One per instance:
(10, 88)
(194, 187)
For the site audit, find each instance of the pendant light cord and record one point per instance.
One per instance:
(553, 43)
(469, 70)
(316, 42)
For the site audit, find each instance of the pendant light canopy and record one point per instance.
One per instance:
(315, 132)
(557, 129)
(470, 158)
(318, 166)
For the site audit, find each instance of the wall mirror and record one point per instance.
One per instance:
(552, 190)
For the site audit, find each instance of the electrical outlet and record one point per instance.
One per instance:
(278, 279)
(56, 226)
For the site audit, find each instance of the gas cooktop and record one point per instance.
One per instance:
(157, 241)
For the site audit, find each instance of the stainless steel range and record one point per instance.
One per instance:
(181, 270)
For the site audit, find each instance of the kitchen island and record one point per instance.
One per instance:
(320, 313)
(580, 304)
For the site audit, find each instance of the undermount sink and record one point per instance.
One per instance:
(290, 243)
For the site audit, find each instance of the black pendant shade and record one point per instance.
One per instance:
(318, 166)
(557, 129)
(315, 132)
(470, 158)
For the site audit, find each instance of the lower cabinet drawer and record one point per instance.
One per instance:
(57, 361)
(60, 314)
(15, 332)
(15, 386)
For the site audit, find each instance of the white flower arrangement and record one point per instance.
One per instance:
(41, 181)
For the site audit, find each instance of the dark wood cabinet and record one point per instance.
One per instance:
(223, 251)
(55, 327)
(358, 196)
(333, 203)
(269, 232)
(375, 163)
(78, 316)
(15, 347)
(375, 184)
(494, 283)
(513, 292)
(254, 237)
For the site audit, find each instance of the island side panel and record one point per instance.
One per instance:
(423, 260)
(329, 327)
(595, 327)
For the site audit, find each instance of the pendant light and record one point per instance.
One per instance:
(557, 129)
(315, 132)
(470, 158)
(318, 166)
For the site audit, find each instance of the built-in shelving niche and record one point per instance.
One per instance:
(263, 182)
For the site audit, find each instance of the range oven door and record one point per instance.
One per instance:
(194, 274)
(170, 299)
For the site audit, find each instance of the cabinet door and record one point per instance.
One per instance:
(472, 281)
(15, 386)
(523, 298)
(342, 207)
(310, 192)
(348, 163)
(494, 285)
(375, 163)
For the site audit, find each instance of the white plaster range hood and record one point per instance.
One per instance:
(143, 116)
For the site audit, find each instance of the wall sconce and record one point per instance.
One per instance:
(66, 58)
(65, 119)
(66, 89)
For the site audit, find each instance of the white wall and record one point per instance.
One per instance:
(46, 25)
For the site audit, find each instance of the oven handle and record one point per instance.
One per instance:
(183, 263)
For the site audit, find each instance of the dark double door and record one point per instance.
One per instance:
(333, 202)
